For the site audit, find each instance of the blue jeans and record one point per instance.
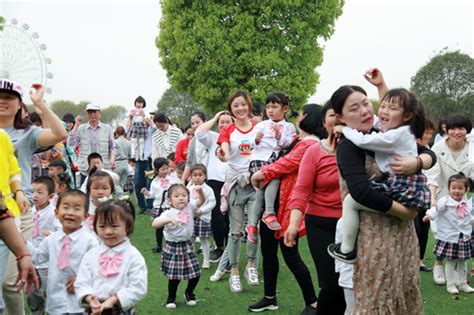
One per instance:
(140, 182)
(4, 251)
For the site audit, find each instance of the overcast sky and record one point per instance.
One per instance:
(104, 51)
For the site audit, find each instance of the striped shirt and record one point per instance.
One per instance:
(164, 142)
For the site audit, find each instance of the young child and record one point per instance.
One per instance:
(112, 277)
(44, 224)
(138, 128)
(402, 120)
(180, 170)
(63, 251)
(56, 166)
(453, 218)
(273, 135)
(158, 191)
(202, 216)
(179, 261)
(96, 163)
(100, 188)
(62, 183)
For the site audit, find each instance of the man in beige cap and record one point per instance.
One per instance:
(94, 136)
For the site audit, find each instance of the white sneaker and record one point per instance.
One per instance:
(464, 287)
(171, 305)
(251, 275)
(438, 275)
(452, 289)
(217, 275)
(205, 265)
(234, 284)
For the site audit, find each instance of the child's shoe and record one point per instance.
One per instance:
(190, 299)
(251, 275)
(157, 249)
(271, 221)
(334, 250)
(252, 232)
(170, 304)
(464, 287)
(438, 275)
(452, 289)
(205, 265)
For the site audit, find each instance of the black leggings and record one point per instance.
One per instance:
(159, 237)
(173, 287)
(269, 246)
(422, 231)
(321, 232)
(219, 221)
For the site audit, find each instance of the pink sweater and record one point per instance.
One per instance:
(317, 188)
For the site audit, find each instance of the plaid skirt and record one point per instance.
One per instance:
(202, 228)
(156, 212)
(138, 130)
(179, 261)
(460, 250)
(411, 191)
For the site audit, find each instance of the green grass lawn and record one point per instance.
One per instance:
(216, 298)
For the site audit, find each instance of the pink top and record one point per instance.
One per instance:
(317, 188)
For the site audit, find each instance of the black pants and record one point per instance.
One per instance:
(321, 232)
(173, 287)
(219, 221)
(269, 245)
(422, 231)
(159, 237)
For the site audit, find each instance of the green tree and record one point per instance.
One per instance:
(445, 85)
(61, 107)
(114, 115)
(178, 106)
(211, 48)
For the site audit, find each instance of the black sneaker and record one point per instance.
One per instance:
(264, 304)
(334, 250)
(216, 256)
(157, 249)
(309, 310)
(228, 268)
(190, 298)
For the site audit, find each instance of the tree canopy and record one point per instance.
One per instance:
(177, 106)
(445, 85)
(211, 48)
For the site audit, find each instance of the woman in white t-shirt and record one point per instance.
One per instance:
(236, 146)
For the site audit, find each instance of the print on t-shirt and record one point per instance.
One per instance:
(245, 147)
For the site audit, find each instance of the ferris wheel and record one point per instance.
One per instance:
(22, 56)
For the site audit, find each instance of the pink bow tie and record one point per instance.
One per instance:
(462, 210)
(183, 216)
(109, 266)
(164, 182)
(63, 259)
(35, 224)
(90, 221)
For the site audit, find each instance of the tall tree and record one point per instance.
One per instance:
(178, 106)
(210, 48)
(446, 84)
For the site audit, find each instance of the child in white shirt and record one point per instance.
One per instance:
(100, 188)
(202, 216)
(63, 251)
(273, 135)
(44, 223)
(113, 276)
(178, 260)
(454, 219)
(138, 128)
(158, 192)
(402, 120)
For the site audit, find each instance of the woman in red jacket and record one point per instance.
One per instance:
(310, 128)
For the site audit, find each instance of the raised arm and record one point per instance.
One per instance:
(375, 77)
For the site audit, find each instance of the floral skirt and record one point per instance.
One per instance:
(386, 274)
(179, 261)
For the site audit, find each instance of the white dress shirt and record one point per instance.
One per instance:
(385, 145)
(208, 204)
(59, 300)
(448, 224)
(269, 143)
(130, 285)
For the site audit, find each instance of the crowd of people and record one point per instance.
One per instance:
(363, 189)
